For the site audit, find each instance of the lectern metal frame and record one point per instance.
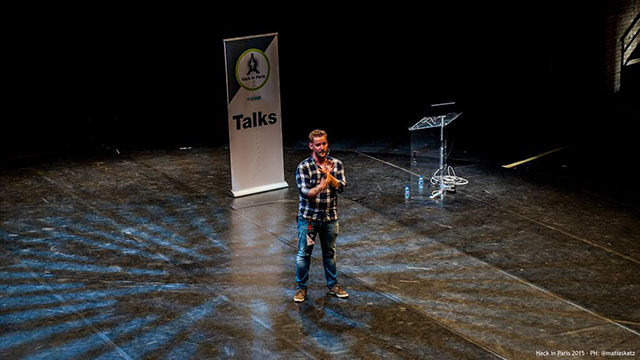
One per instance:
(429, 122)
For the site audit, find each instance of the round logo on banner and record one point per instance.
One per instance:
(253, 69)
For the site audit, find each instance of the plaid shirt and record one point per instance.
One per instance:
(324, 206)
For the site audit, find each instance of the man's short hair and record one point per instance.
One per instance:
(316, 133)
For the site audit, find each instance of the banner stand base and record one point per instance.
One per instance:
(259, 189)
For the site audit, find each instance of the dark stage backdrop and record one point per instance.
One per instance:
(155, 77)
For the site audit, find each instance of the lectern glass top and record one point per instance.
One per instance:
(428, 122)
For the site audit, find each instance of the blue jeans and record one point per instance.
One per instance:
(327, 233)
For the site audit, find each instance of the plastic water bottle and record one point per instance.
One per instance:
(421, 182)
(407, 192)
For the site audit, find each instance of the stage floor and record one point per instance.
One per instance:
(145, 255)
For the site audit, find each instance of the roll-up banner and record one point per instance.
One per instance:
(255, 121)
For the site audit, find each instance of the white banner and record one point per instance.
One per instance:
(254, 115)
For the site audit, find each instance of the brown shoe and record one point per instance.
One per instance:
(338, 291)
(300, 296)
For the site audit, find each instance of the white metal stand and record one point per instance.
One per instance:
(432, 122)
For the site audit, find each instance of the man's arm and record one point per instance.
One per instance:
(332, 181)
(303, 178)
(322, 186)
(340, 178)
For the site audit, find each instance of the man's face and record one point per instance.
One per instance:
(319, 146)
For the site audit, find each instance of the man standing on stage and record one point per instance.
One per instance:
(320, 178)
